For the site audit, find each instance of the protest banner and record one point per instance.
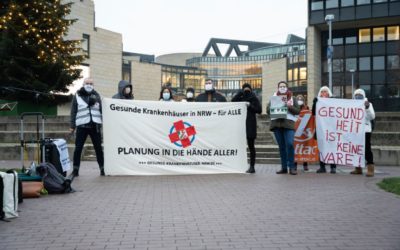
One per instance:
(305, 145)
(341, 131)
(278, 108)
(171, 138)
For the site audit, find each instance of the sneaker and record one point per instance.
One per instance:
(282, 171)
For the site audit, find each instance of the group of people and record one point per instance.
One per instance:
(86, 120)
(284, 129)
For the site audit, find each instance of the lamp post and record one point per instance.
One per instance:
(329, 18)
(352, 81)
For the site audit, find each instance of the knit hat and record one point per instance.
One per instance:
(190, 89)
(246, 85)
(325, 88)
(359, 92)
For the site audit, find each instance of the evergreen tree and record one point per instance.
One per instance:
(35, 60)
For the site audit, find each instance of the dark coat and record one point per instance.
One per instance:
(90, 98)
(253, 109)
(122, 85)
(215, 97)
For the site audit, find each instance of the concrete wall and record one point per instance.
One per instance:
(105, 50)
(313, 62)
(178, 59)
(147, 81)
(272, 73)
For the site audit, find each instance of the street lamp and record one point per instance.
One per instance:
(329, 19)
(352, 81)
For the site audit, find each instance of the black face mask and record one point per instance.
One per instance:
(246, 93)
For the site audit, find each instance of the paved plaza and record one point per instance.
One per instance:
(226, 211)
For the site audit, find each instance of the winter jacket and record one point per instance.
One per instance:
(369, 112)
(253, 109)
(122, 85)
(92, 98)
(215, 97)
(283, 122)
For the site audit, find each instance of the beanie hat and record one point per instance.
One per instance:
(190, 89)
(246, 85)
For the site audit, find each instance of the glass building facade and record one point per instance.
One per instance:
(366, 41)
(179, 78)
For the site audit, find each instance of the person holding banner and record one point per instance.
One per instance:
(254, 107)
(303, 107)
(124, 91)
(210, 95)
(283, 109)
(86, 118)
(370, 115)
(324, 92)
(166, 94)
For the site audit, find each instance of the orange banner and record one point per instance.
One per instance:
(305, 145)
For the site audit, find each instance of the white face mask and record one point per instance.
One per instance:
(209, 87)
(300, 102)
(166, 96)
(127, 91)
(189, 95)
(282, 90)
(88, 88)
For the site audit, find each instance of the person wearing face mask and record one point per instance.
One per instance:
(86, 119)
(253, 108)
(301, 102)
(189, 95)
(324, 92)
(283, 129)
(124, 91)
(210, 95)
(359, 94)
(166, 94)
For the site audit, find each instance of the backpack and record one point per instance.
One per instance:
(53, 181)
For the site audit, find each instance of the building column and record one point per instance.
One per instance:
(314, 63)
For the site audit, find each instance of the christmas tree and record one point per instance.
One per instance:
(35, 60)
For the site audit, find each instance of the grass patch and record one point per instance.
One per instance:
(391, 185)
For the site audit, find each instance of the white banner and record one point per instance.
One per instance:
(171, 138)
(341, 131)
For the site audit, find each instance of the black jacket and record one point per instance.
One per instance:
(122, 85)
(90, 98)
(253, 109)
(215, 97)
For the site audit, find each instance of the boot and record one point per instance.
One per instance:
(102, 171)
(282, 171)
(321, 169)
(305, 166)
(357, 170)
(370, 170)
(75, 171)
(333, 170)
(251, 170)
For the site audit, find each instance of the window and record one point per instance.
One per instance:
(329, 4)
(393, 62)
(364, 35)
(362, 2)
(303, 73)
(379, 34)
(317, 5)
(364, 63)
(337, 65)
(351, 64)
(346, 3)
(379, 62)
(380, 1)
(393, 33)
(290, 75)
(351, 39)
(86, 44)
(337, 41)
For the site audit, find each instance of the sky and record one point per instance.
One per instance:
(159, 27)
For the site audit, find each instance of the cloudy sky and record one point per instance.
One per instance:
(168, 26)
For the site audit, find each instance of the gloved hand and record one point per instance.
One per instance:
(92, 100)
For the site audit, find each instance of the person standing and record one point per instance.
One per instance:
(189, 95)
(359, 94)
(324, 92)
(210, 95)
(283, 128)
(86, 119)
(253, 108)
(124, 91)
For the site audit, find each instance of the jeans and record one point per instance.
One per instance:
(285, 140)
(81, 135)
(252, 149)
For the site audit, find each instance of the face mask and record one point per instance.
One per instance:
(127, 91)
(209, 87)
(166, 96)
(300, 102)
(189, 95)
(324, 94)
(88, 88)
(359, 97)
(282, 90)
